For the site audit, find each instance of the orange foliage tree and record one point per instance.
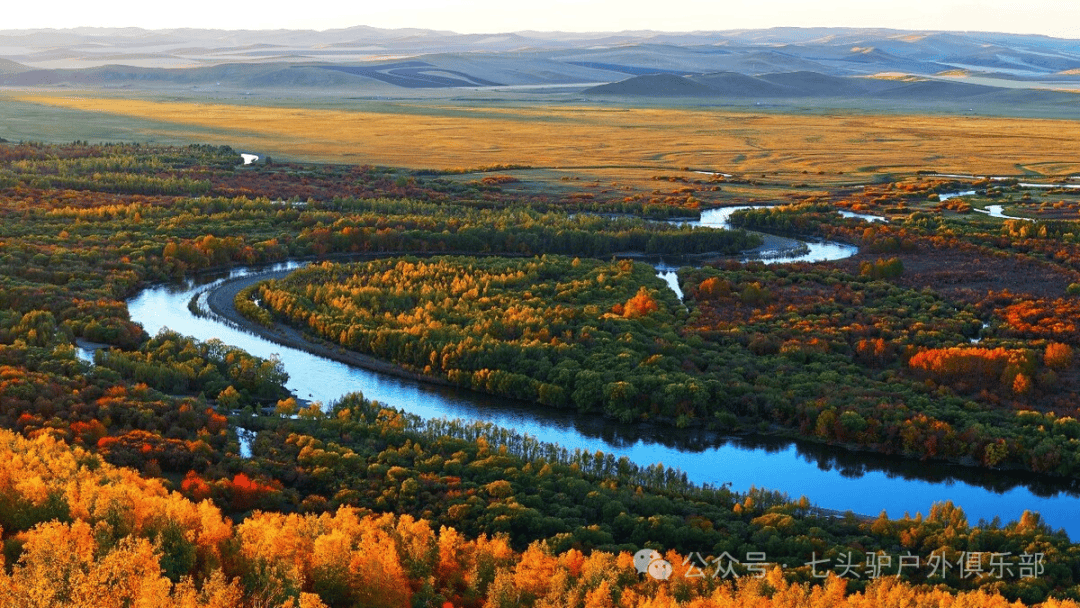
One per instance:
(1058, 356)
(639, 305)
(974, 367)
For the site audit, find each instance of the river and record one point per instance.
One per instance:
(997, 211)
(991, 210)
(831, 478)
(814, 251)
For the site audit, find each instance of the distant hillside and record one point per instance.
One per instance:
(833, 51)
(231, 75)
(730, 84)
(778, 63)
(935, 90)
(414, 75)
(654, 85)
(10, 67)
(813, 85)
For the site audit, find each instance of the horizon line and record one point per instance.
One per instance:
(30, 30)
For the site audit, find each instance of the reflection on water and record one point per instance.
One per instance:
(245, 437)
(820, 251)
(997, 211)
(719, 218)
(991, 210)
(815, 251)
(806, 251)
(671, 277)
(831, 478)
(949, 195)
(84, 350)
(249, 158)
(863, 216)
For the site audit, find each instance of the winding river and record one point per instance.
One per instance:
(831, 478)
(991, 210)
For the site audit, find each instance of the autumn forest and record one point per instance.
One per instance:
(950, 337)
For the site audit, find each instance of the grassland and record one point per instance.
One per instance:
(441, 134)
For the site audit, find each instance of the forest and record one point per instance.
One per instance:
(122, 482)
(753, 346)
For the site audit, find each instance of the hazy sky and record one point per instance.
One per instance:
(1051, 17)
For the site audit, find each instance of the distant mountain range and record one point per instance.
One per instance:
(772, 63)
(790, 85)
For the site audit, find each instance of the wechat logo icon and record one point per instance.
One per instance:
(649, 560)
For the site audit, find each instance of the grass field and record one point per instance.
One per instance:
(445, 135)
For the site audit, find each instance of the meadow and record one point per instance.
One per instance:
(447, 134)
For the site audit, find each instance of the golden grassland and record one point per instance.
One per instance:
(445, 135)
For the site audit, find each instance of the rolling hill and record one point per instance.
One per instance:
(10, 67)
(655, 85)
(778, 63)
